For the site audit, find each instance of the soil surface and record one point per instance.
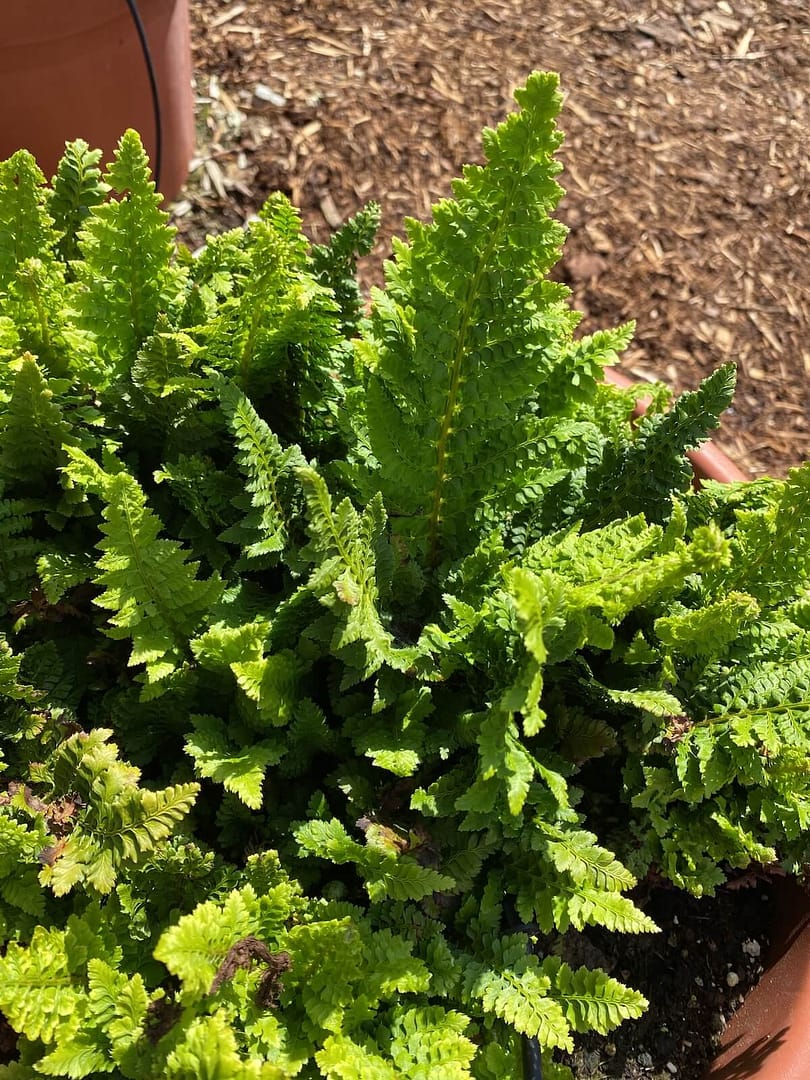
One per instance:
(686, 163)
(695, 973)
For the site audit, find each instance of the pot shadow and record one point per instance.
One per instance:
(750, 1060)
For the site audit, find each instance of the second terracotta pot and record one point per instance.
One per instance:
(78, 70)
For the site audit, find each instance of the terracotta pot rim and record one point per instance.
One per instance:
(768, 1037)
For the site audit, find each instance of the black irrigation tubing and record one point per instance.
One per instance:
(150, 69)
(530, 1045)
(532, 1059)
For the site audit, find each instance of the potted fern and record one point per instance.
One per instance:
(328, 638)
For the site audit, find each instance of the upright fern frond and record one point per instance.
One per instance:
(77, 187)
(32, 430)
(771, 545)
(276, 333)
(151, 588)
(574, 381)
(346, 579)
(125, 277)
(335, 263)
(18, 549)
(26, 229)
(267, 468)
(642, 475)
(469, 329)
(163, 364)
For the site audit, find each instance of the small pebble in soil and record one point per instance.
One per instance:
(671, 1067)
(645, 1060)
(751, 948)
(732, 978)
(717, 1023)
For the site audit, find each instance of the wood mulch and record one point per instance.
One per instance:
(686, 162)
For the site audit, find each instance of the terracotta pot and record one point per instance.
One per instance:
(76, 69)
(769, 1035)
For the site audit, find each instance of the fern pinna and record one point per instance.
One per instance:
(317, 628)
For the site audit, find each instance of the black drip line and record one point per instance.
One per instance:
(150, 69)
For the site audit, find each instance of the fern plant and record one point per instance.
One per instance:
(327, 636)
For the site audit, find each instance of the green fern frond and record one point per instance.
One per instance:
(430, 1042)
(240, 769)
(651, 700)
(33, 429)
(212, 1040)
(61, 571)
(267, 468)
(615, 597)
(76, 188)
(335, 263)
(125, 277)
(150, 586)
(591, 999)
(706, 631)
(11, 686)
(642, 475)
(163, 366)
(18, 549)
(386, 873)
(590, 906)
(341, 1058)
(26, 228)
(519, 995)
(275, 334)
(38, 302)
(118, 822)
(580, 370)
(273, 684)
(196, 945)
(554, 900)
(577, 854)
(116, 1012)
(771, 544)
(451, 356)
(346, 579)
(20, 844)
(581, 735)
(41, 984)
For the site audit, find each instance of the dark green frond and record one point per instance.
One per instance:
(125, 276)
(76, 188)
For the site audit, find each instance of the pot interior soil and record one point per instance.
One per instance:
(695, 973)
